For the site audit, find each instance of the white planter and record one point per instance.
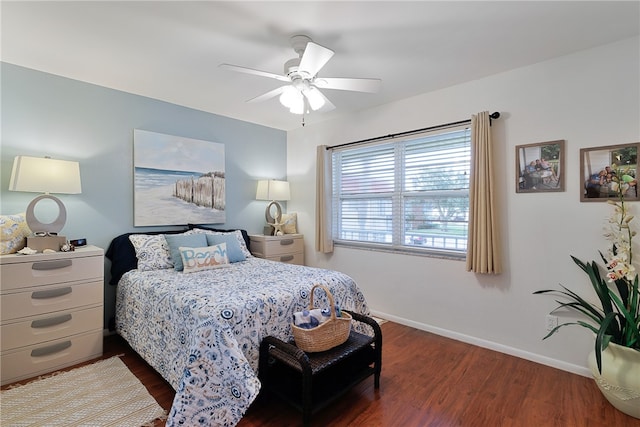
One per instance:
(620, 378)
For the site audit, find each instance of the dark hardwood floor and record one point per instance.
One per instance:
(428, 380)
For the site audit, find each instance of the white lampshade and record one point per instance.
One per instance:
(272, 189)
(45, 175)
(293, 99)
(315, 97)
(289, 96)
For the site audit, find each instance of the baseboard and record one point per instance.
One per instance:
(537, 358)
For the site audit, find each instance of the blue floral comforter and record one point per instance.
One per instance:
(202, 331)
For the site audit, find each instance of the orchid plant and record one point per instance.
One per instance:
(617, 318)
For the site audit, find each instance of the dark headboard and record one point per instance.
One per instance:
(123, 255)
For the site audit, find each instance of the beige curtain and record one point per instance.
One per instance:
(483, 246)
(324, 235)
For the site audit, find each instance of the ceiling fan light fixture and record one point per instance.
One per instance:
(297, 107)
(303, 91)
(289, 96)
(315, 98)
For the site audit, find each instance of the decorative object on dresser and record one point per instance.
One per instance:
(51, 311)
(274, 190)
(288, 248)
(289, 223)
(45, 175)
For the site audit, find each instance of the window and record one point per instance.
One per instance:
(409, 194)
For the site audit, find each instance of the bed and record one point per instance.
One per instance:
(202, 330)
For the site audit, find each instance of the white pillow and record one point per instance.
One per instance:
(199, 259)
(152, 251)
(13, 230)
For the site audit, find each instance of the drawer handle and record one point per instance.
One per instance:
(286, 258)
(51, 265)
(285, 242)
(52, 321)
(54, 348)
(51, 293)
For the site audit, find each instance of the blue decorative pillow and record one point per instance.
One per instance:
(198, 259)
(175, 241)
(234, 251)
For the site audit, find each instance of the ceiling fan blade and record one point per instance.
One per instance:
(254, 72)
(357, 85)
(314, 58)
(272, 93)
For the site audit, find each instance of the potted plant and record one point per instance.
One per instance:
(615, 320)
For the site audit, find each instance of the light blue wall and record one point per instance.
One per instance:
(44, 114)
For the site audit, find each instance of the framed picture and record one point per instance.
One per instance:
(605, 170)
(540, 167)
(177, 180)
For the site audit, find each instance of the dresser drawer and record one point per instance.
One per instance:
(45, 271)
(297, 258)
(279, 246)
(49, 327)
(45, 299)
(28, 362)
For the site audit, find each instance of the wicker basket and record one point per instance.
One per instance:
(329, 334)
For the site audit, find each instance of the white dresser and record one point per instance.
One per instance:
(288, 248)
(51, 311)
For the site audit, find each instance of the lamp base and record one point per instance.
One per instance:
(270, 218)
(53, 227)
(40, 243)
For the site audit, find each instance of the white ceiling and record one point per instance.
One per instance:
(171, 50)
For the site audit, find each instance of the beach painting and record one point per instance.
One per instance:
(177, 180)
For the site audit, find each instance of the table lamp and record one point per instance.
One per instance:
(45, 175)
(273, 190)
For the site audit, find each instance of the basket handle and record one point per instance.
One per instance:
(331, 301)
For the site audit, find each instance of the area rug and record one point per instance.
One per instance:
(102, 394)
(379, 320)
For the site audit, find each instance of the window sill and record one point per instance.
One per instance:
(429, 253)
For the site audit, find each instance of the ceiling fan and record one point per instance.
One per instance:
(302, 90)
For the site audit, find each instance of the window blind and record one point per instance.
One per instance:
(405, 194)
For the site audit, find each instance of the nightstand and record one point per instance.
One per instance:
(51, 311)
(288, 248)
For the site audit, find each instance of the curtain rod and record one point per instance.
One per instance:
(494, 115)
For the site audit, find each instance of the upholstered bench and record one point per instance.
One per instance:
(310, 381)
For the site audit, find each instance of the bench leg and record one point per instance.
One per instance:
(306, 399)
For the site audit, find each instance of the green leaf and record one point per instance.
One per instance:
(632, 334)
(602, 342)
(557, 328)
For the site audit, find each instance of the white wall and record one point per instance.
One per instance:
(589, 99)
